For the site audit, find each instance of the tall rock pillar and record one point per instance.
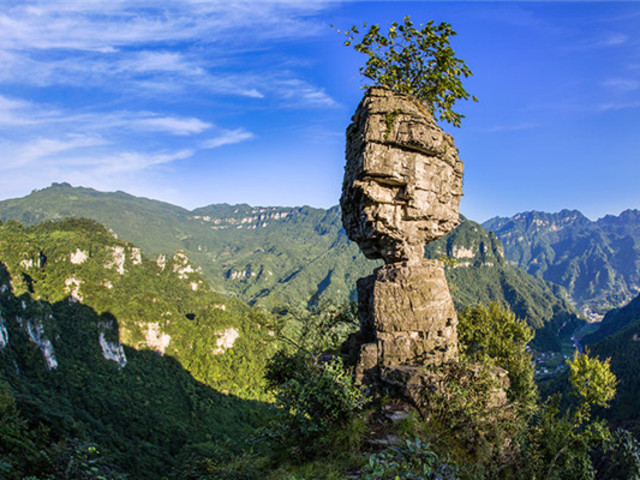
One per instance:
(402, 187)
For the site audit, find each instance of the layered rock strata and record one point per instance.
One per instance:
(403, 178)
(402, 188)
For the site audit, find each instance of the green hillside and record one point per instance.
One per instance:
(481, 274)
(100, 343)
(164, 306)
(264, 255)
(598, 263)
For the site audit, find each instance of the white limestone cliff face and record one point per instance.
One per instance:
(161, 261)
(112, 351)
(72, 287)
(35, 330)
(226, 341)
(4, 335)
(26, 263)
(78, 257)
(136, 256)
(156, 339)
(118, 258)
(257, 218)
(181, 265)
(462, 252)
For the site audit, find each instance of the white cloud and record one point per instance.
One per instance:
(614, 106)
(107, 25)
(40, 150)
(142, 48)
(228, 137)
(177, 126)
(516, 127)
(299, 93)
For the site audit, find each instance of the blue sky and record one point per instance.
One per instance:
(197, 102)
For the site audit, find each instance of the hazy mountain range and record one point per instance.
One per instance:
(598, 262)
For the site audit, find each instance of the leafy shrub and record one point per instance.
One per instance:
(494, 332)
(312, 396)
(621, 457)
(467, 418)
(559, 444)
(413, 461)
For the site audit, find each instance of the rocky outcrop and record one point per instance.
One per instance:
(407, 317)
(403, 178)
(402, 188)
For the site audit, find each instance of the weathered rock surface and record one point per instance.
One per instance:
(401, 190)
(403, 178)
(407, 317)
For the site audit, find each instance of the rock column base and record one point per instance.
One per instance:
(407, 318)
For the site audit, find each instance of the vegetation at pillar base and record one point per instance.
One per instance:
(415, 61)
(464, 436)
(495, 332)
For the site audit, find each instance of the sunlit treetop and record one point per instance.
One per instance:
(415, 61)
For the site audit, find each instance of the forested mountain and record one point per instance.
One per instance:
(99, 343)
(619, 339)
(481, 274)
(265, 255)
(278, 256)
(598, 262)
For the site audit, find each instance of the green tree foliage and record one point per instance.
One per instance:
(322, 329)
(22, 448)
(494, 332)
(415, 61)
(560, 443)
(313, 397)
(621, 457)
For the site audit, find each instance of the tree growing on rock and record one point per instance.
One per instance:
(415, 61)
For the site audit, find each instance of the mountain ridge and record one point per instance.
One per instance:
(598, 262)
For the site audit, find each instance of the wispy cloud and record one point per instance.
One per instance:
(227, 137)
(107, 25)
(607, 40)
(16, 113)
(146, 49)
(622, 85)
(515, 127)
(100, 88)
(300, 93)
(39, 150)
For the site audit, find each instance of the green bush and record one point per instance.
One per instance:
(494, 332)
(413, 461)
(560, 444)
(312, 396)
